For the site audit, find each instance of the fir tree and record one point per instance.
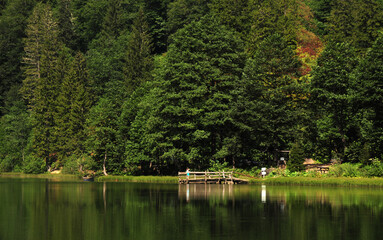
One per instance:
(45, 61)
(66, 26)
(296, 158)
(369, 97)
(183, 12)
(356, 22)
(266, 102)
(73, 105)
(200, 74)
(139, 62)
(331, 98)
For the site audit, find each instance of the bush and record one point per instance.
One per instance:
(76, 164)
(216, 166)
(34, 165)
(374, 170)
(296, 159)
(6, 164)
(345, 170)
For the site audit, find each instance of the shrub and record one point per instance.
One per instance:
(296, 158)
(34, 165)
(76, 164)
(345, 170)
(374, 170)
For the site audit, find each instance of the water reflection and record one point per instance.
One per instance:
(263, 194)
(205, 191)
(36, 210)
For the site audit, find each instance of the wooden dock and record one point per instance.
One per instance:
(209, 178)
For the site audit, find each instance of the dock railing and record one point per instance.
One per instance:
(205, 177)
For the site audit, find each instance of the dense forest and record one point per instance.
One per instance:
(155, 86)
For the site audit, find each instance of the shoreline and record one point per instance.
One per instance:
(321, 181)
(302, 181)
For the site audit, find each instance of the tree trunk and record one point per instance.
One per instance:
(233, 162)
(104, 165)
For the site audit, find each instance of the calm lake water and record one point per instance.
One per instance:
(38, 209)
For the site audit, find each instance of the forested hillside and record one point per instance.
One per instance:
(155, 86)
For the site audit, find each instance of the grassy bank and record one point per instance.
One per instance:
(279, 180)
(318, 181)
(67, 177)
(144, 179)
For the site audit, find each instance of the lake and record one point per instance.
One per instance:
(38, 209)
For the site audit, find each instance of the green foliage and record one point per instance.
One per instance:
(356, 22)
(266, 110)
(103, 141)
(332, 98)
(183, 12)
(198, 101)
(296, 158)
(234, 14)
(78, 164)
(89, 17)
(66, 25)
(374, 170)
(216, 166)
(105, 62)
(73, 104)
(139, 62)
(270, 17)
(200, 74)
(345, 170)
(13, 20)
(34, 164)
(15, 129)
(369, 97)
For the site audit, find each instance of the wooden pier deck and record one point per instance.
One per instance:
(209, 177)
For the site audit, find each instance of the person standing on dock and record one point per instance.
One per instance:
(187, 173)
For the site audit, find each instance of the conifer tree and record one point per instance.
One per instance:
(13, 20)
(14, 134)
(45, 61)
(330, 96)
(269, 17)
(139, 61)
(112, 21)
(200, 74)
(369, 92)
(234, 14)
(266, 103)
(66, 26)
(183, 12)
(296, 158)
(73, 105)
(356, 22)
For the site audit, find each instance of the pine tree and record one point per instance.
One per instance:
(266, 103)
(73, 105)
(269, 17)
(331, 98)
(139, 61)
(296, 158)
(369, 95)
(112, 22)
(183, 12)
(13, 20)
(45, 61)
(199, 76)
(356, 22)
(234, 14)
(66, 26)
